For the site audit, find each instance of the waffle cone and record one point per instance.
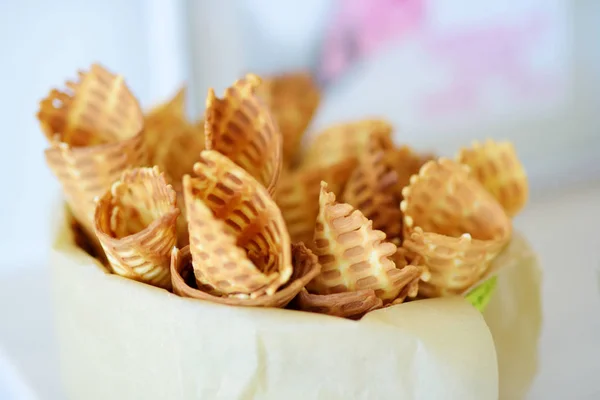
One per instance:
(351, 305)
(354, 305)
(177, 158)
(162, 124)
(414, 264)
(305, 268)
(372, 189)
(241, 127)
(342, 141)
(293, 99)
(97, 109)
(173, 142)
(183, 232)
(182, 152)
(297, 196)
(354, 256)
(497, 167)
(174, 145)
(219, 263)
(95, 131)
(174, 107)
(454, 224)
(406, 162)
(249, 219)
(135, 223)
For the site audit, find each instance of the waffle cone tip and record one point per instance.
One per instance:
(211, 97)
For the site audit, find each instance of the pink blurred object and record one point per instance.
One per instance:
(474, 57)
(361, 27)
(469, 65)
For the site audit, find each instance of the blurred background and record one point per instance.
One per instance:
(444, 73)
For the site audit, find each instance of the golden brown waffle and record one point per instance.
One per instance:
(96, 109)
(293, 99)
(250, 217)
(241, 127)
(173, 142)
(497, 167)
(183, 233)
(406, 162)
(95, 131)
(305, 269)
(218, 262)
(183, 152)
(297, 196)
(372, 190)
(177, 159)
(354, 305)
(354, 256)
(351, 305)
(173, 107)
(161, 124)
(135, 223)
(405, 259)
(454, 224)
(343, 141)
(174, 145)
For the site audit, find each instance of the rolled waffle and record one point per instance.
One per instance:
(250, 219)
(135, 222)
(496, 166)
(454, 224)
(354, 256)
(95, 132)
(406, 162)
(241, 127)
(174, 145)
(372, 189)
(354, 305)
(405, 259)
(342, 141)
(297, 196)
(174, 107)
(351, 305)
(293, 99)
(305, 268)
(182, 153)
(162, 124)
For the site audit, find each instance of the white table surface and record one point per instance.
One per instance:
(562, 228)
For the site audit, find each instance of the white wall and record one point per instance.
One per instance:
(43, 43)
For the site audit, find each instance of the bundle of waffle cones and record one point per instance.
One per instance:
(231, 209)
